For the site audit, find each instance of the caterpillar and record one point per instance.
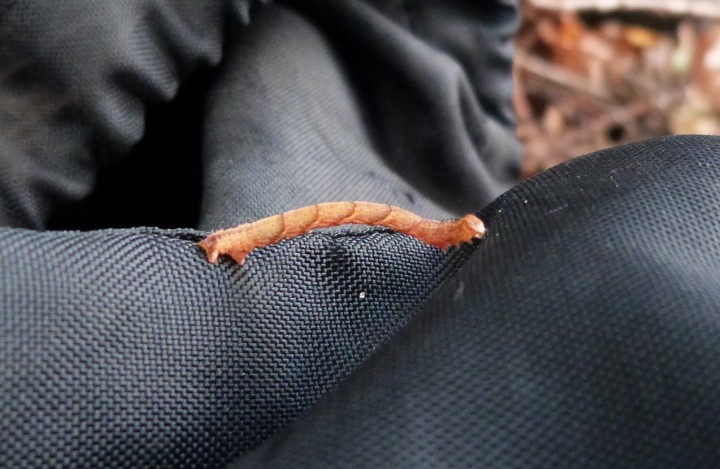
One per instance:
(238, 242)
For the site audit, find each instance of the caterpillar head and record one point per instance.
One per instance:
(470, 227)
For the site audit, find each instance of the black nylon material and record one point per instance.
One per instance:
(76, 77)
(584, 331)
(126, 348)
(312, 102)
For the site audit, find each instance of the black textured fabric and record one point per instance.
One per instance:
(357, 105)
(125, 347)
(75, 77)
(584, 331)
(310, 102)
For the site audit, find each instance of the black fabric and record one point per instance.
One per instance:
(310, 102)
(126, 348)
(584, 331)
(75, 79)
(355, 105)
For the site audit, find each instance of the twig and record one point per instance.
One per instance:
(559, 75)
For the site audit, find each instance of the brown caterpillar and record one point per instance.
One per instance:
(239, 241)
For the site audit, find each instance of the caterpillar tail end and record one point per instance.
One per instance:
(209, 245)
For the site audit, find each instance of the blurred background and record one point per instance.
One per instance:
(591, 74)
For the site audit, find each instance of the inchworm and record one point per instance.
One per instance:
(239, 241)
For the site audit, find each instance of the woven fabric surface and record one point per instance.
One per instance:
(584, 332)
(126, 348)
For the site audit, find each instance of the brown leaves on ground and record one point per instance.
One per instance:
(584, 82)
